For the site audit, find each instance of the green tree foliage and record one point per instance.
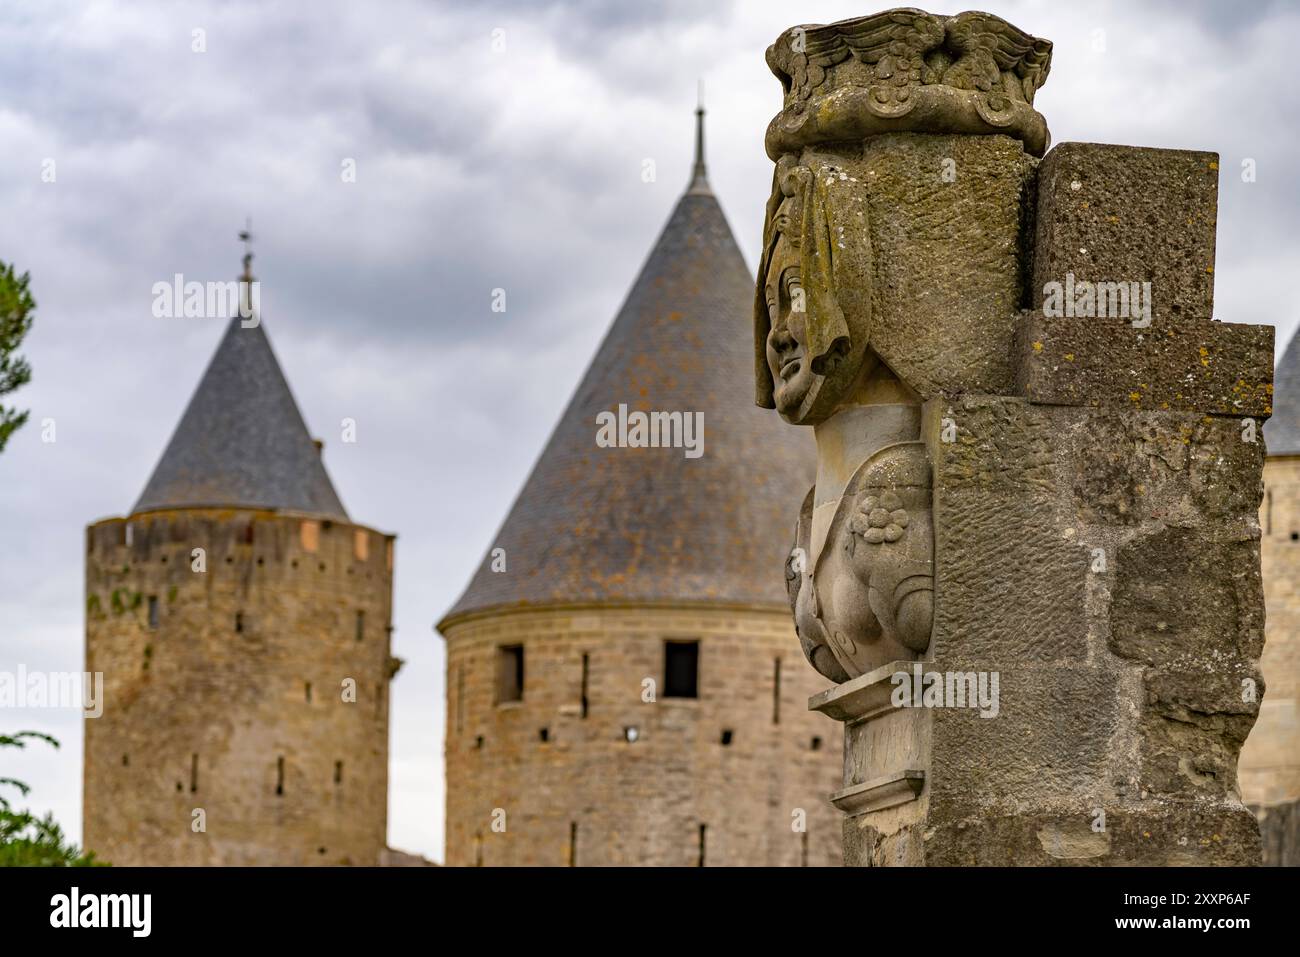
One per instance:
(16, 308)
(25, 839)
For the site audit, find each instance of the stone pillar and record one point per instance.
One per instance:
(1031, 560)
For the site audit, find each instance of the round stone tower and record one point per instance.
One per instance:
(1269, 767)
(624, 684)
(240, 620)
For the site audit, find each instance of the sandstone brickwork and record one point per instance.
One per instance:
(254, 691)
(593, 774)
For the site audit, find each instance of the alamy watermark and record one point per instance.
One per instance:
(179, 299)
(79, 690)
(651, 430)
(946, 689)
(1091, 300)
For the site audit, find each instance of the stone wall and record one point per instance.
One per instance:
(574, 789)
(1270, 760)
(225, 689)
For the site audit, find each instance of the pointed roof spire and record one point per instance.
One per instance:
(246, 237)
(1282, 431)
(242, 441)
(699, 175)
(580, 531)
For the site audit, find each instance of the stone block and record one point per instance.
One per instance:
(1216, 368)
(1130, 214)
(1187, 601)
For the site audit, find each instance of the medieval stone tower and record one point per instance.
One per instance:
(241, 622)
(624, 685)
(1270, 760)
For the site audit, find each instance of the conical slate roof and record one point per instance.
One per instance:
(1282, 430)
(242, 441)
(614, 525)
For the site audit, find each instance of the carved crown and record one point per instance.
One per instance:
(908, 70)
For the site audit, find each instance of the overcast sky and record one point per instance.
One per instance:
(476, 169)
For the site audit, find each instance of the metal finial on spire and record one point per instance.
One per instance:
(246, 236)
(699, 175)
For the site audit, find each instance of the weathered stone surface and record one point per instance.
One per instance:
(1141, 833)
(1211, 367)
(1279, 826)
(1051, 736)
(1185, 601)
(906, 69)
(1130, 214)
(1177, 468)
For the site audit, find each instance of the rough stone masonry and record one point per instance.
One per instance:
(1030, 563)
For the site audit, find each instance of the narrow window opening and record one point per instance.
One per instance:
(478, 849)
(776, 691)
(478, 742)
(816, 743)
(194, 773)
(239, 621)
(128, 535)
(510, 673)
(681, 669)
(338, 772)
(361, 625)
(573, 843)
(726, 738)
(1295, 536)
(279, 775)
(803, 849)
(153, 611)
(544, 734)
(703, 831)
(460, 698)
(307, 689)
(126, 760)
(586, 662)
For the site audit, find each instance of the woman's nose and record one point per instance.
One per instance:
(780, 338)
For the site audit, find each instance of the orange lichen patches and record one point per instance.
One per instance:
(1134, 397)
(1112, 219)
(674, 317)
(1069, 357)
(1209, 269)
(1214, 165)
(1038, 347)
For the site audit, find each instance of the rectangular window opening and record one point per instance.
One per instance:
(153, 611)
(776, 691)
(585, 672)
(681, 669)
(510, 673)
(194, 773)
(573, 842)
(338, 772)
(703, 831)
(361, 625)
(279, 775)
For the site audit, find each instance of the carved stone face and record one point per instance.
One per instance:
(787, 343)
